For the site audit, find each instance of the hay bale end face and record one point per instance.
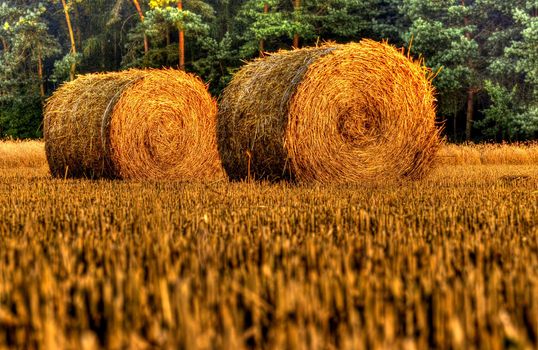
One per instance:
(330, 114)
(137, 124)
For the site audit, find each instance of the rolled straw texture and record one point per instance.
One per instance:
(330, 114)
(137, 124)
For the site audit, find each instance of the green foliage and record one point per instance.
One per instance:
(159, 18)
(273, 27)
(343, 19)
(26, 43)
(21, 117)
(26, 40)
(505, 119)
(525, 50)
(315, 20)
(162, 21)
(484, 46)
(514, 96)
(63, 66)
(216, 66)
(438, 33)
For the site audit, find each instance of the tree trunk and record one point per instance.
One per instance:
(262, 42)
(72, 39)
(181, 40)
(5, 45)
(141, 15)
(470, 114)
(296, 39)
(40, 74)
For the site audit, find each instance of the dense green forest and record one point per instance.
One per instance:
(485, 51)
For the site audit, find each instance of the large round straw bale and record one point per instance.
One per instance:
(137, 124)
(334, 113)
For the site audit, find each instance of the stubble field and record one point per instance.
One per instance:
(450, 261)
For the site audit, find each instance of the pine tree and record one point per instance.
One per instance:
(268, 25)
(513, 86)
(456, 37)
(344, 20)
(26, 44)
(189, 18)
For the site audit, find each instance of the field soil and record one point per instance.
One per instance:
(448, 262)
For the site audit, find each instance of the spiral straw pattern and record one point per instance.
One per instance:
(331, 114)
(164, 127)
(137, 124)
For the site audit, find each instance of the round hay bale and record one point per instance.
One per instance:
(331, 114)
(136, 124)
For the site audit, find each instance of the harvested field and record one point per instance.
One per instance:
(21, 154)
(489, 154)
(450, 261)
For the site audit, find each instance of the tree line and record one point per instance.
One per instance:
(485, 52)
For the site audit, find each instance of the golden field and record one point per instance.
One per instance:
(448, 262)
(22, 154)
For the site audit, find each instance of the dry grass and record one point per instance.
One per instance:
(31, 154)
(450, 261)
(352, 113)
(22, 154)
(491, 154)
(137, 124)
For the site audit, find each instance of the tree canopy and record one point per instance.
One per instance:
(484, 51)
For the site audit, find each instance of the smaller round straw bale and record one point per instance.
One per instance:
(330, 114)
(137, 124)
